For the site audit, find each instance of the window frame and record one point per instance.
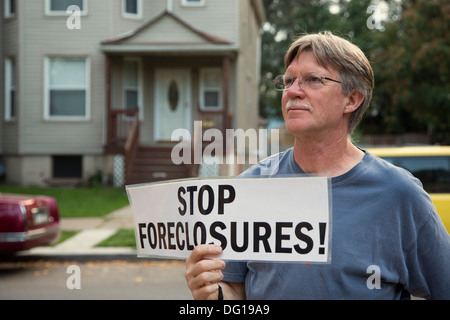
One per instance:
(48, 88)
(139, 85)
(187, 3)
(10, 100)
(7, 12)
(126, 14)
(204, 88)
(49, 12)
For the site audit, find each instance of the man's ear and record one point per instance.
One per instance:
(354, 100)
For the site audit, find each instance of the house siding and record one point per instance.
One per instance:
(10, 39)
(45, 36)
(217, 17)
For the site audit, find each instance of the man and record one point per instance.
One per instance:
(387, 240)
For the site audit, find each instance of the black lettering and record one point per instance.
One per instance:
(198, 225)
(210, 199)
(280, 236)
(170, 235)
(303, 237)
(222, 199)
(162, 235)
(188, 245)
(141, 235)
(181, 211)
(257, 237)
(177, 229)
(233, 234)
(218, 236)
(151, 227)
(191, 191)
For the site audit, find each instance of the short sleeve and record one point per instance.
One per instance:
(235, 271)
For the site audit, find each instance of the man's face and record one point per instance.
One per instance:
(315, 112)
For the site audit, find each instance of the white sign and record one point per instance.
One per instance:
(268, 219)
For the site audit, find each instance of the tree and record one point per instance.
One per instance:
(412, 69)
(289, 19)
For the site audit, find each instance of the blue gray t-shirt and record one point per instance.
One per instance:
(387, 241)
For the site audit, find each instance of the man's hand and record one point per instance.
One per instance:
(203, 274)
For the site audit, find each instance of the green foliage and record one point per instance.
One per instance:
(413, 70)
(409, 55)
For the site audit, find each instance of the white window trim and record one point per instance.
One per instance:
(87, 87)
(10, 67)
(203, 88)
(186, 3)
(64, 13)
(7, 10)
(139, 87)
(132, 15)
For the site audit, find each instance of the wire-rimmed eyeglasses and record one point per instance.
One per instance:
(307, 80)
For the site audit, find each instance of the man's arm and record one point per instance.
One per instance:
(204, 274)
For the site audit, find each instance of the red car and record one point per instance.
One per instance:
(27, 222)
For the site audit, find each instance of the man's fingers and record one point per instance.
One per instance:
(201, 251)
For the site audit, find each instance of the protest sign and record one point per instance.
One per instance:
(267, 219)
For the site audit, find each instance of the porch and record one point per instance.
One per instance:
(133, 134)
(160, 77)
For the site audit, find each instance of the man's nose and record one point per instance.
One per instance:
(296, 90)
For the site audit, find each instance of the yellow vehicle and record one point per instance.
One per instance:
(431, 165)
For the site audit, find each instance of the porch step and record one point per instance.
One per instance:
(153, 163)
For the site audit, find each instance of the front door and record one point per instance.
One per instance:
(172, 102)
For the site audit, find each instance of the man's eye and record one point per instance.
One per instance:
(288, 81)
(313, 79)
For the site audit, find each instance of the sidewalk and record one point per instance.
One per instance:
(92, 232)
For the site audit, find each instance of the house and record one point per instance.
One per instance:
(96, 88)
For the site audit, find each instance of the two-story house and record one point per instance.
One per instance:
(84, 81)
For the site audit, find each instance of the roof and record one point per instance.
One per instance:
(166, 32)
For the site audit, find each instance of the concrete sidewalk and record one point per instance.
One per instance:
(91, 232)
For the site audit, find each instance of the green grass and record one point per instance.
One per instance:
(122, 238)
(78, 202)
(65, 234)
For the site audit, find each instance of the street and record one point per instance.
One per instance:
(101, 280)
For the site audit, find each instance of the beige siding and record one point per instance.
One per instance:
(44, 36)
(247, 76)
(9, 131)
(217, 17)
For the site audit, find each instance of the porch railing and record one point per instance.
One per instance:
(123, 136)
(131, 146)
(120, 123)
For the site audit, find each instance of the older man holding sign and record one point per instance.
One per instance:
(387, 240)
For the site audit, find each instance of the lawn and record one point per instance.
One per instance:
(78, 202)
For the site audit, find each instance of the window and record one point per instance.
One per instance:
(67, 166)
(211, 89)
(10, 89)
(132, 8)
(59, 7)
(193, 3)
(433, 172)
(132, 84)
(9, 8)
(67, 88)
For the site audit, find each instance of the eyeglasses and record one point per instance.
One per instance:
(308, 80)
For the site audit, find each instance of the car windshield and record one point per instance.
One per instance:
(433, 172)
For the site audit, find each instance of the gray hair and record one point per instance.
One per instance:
(354, 70)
